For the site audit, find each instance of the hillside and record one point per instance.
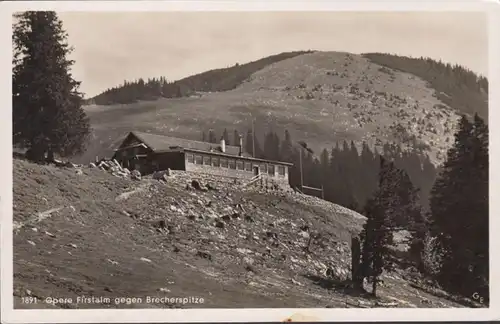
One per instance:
(320, 97)
(234, 247)
(456, 86)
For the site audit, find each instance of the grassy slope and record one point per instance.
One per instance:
(93, 246)
(319, 97)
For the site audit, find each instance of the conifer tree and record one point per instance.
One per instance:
(236, 137)
(377, 233)
(459, 212)
(212, 138)
(48, 117)
(225, 135)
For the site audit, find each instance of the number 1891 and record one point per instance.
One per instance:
(29, 300)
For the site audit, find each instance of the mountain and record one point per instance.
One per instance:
(319, 97)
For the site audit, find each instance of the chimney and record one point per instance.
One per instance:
(222, 145)
(241, 146)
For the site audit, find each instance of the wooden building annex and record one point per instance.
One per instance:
(148, 153)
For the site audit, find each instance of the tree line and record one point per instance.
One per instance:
(450, 239)
(210, 81)
(347, 172)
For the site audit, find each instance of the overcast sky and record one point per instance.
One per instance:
(111, 47)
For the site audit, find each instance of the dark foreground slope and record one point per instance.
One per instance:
(88, 233)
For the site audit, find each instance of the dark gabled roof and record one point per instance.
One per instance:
(159, 143)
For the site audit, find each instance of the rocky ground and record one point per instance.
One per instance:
(85, 232)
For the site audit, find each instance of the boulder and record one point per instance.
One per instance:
(161, 175)
(135, 175)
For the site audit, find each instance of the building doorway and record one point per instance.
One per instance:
(255, 170)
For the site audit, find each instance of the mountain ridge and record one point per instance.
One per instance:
(356, 90)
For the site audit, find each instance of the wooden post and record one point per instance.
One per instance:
(301, 176)
(355, 262)
(253, 138)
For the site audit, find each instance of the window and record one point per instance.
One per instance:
(232, 164)
(198, 159)
(263, 168)
(223, 163)
(281, 170)
(206, 160)
(190, 158)
(248, 166)
(239, 165)
(270, 169)
(215, 161)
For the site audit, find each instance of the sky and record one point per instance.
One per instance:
(110, 47)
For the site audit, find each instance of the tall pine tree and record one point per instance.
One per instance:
(459, 211)
(48, 117)
(377, 235)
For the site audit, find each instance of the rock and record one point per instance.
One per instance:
(211, 187)
(32, 243)
(248, 261)
(160, 175)
(112, 262)
(49, 234)
(72, 245)
(304, 235)
(196, 185)
(219, 224)
(272, 235)
(204, 255)
(243, 251)
(79, 171)
(92, 165)
(135, 175)
(146, 260)
(165, 290)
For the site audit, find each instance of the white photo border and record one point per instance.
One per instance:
(10, 315)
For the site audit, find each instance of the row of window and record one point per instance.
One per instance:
(235, 164)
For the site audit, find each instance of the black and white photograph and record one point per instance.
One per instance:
(250, 160)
